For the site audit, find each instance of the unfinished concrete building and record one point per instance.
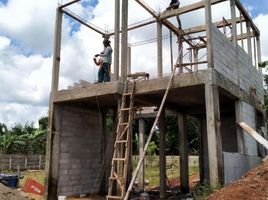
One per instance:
(220, 89)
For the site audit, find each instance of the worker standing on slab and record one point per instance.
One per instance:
(99, 63)
(174, 4)
(104, 73)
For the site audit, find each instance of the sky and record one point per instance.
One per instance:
(26, 45)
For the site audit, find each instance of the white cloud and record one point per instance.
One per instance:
(261, 22)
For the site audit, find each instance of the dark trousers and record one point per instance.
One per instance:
(104, 73)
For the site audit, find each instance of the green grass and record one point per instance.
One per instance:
(202, 191)
(38, 176)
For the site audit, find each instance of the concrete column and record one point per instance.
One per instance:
(204, 141)
(239, 133)
(249, 40)
(184, 166)
(210, 56)
(54, 152)
(124, 40)
(259, 51)
(116, 39)
(215, 156)
(56, 51)
(162, 154)
(141, 147)
(159, 51)
(129, 60)
(233, 18)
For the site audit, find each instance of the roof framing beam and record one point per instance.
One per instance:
(82, 22)
(70, 3)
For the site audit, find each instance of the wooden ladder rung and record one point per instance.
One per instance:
(125, 109)
(121, 141)
(123, 124)
(127, 94)
(114, 197)
(119, 159)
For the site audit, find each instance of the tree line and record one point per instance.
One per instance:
(24, 139)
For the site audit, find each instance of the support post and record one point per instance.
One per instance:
(171, 51)
(241, 30)
(124, 40)
(259, 51)
(210, 57)
(184, 166)
(233, 18)
(255, 52)
(56, 51)
(249, 40)
(141, 146)
(215, 157)
(116, 39)
(159, 51)
(129, 60)
(239, 133)
(162, 154)
(195, 51)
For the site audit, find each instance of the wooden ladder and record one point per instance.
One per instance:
(122, 145)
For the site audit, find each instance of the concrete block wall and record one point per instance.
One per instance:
(225, 63)
(248, 116)
(228, 134)
(236, 165)
(80, 151)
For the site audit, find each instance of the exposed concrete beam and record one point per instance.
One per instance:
(219, 24)
(68, 4)
(186, 9)
(83, 22)
(247, 17)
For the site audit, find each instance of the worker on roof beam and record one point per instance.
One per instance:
(174, 4)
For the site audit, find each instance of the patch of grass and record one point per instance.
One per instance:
(38, 176)
(202, 191)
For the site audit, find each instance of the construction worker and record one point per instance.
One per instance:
(104, 73)
(174, 4)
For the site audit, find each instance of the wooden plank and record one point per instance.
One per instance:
(124, 40)
(147, 7)
(159, 51)
(233, 17)
(162, 154)
(141, 146)
(186, 9)
(254, 134)
(215, 157)
(183, 146)
(249, 40)
(116, 39)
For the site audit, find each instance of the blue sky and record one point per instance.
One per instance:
(26, 44)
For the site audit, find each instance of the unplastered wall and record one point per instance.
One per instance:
(80, 151)
(248, 116)
(226, 63)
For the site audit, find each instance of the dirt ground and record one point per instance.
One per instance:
(252, 186)
(10, 194)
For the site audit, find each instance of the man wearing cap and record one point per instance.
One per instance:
(104, 74)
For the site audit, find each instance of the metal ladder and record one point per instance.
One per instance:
(122, 145)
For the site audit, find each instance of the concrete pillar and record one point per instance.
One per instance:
(259, 51)
(129, 60)
(233, 18)
(116, 39)
(204, 151)
(56, 51)
(249, 39)
(162, 154)
(210, 57)
(184, 166)
(171, 51)
(215, 156)
(124, 40)
(159, 51)
(141, 147)
(239, 132)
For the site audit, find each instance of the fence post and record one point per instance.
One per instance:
(40, 161)
(10, 162)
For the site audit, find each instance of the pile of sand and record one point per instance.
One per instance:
(9, 194)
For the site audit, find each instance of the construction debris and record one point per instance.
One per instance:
(7, 193)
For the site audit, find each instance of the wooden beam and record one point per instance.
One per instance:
(247, 17)
(186, 9)
(147, 8)
(82, 22)
(124, 38)
(233, 17)
(116, 39)
(249, 40)
(183, 146)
